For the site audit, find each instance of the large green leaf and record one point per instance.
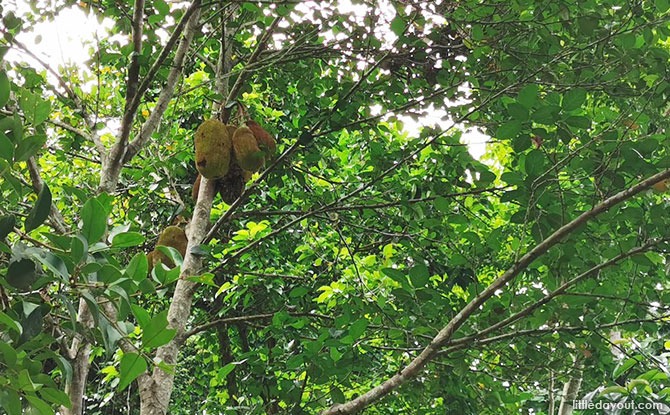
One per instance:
(4, 89)
(40, 212)
(7, 223)
(94, 221)
(132, 365)
(156, 333)
(21, 274)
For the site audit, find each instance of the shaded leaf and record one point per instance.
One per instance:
(22, 274)
(40, 211)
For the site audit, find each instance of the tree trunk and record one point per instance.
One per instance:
(571, 388)
(80, 352)
(155, 391)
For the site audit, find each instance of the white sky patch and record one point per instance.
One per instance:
(65, 41)
(61, 41)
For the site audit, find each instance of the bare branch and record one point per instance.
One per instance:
(244, 74)
(152, 122)
(558, 291)
(158, 63)
(133, 75)
(134, 69)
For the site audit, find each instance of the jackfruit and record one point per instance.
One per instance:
(248, 155)
(231, 130)
(662, 186)
(212, 149)
(263, 138)
(231, 186)
(172, 236)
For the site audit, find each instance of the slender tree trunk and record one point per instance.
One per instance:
(155, 390)
(80, 352)
(552, 397)
(571, 388)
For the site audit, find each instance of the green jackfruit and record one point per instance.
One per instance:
(248, 155)
(172, 236)
(212, 149)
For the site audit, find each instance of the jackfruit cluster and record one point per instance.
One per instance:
(230, 155)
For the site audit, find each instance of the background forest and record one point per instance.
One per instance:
(367, 267)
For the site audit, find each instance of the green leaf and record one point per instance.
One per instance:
(579, 122)
(40, 211)
(626, 365)
(10, 323)
(138, 268)
(419, 275)
(29, 147)
(547, 114)
(518, 111)
(132, 365)
(54, 264)
(528, 95)
(56, 396)
(6, 148)
(226, 370)
(156, 333)
(358, 327)
(395, 274)
(509, 130)
(78, 248)
(7, 223)
(127, 239)
(35, 109)
(442, 204)
(94, 220)
(5, 88)
(587, 24)
(10, 401)
(398, 25)
(614, 389)
(42, 407)
(162, 7)
(662, 5)
(573, 99)
(21, 274)
(337, 395)
(142, 316)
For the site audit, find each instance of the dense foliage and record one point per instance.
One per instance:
(360, 241)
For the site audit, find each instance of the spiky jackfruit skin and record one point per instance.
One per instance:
(212, 149)
(231, 130)
(172, 236)
(662, 186)
(248, 155)
(264, 140)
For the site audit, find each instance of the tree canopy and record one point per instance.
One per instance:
(365, 267)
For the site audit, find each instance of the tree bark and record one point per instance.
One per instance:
(571, 388)
(80, 352)
(155, 390)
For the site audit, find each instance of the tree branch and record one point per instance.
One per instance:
(443, 337)
(165, 96)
